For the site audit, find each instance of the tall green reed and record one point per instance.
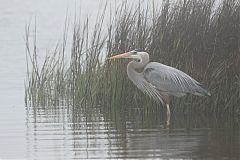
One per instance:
(196, 36)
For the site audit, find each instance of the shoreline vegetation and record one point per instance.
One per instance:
(195, 36)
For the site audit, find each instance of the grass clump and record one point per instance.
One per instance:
(199, 37)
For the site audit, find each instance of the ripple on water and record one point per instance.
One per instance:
(65, 135)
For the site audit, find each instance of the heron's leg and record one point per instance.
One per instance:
(168, 114)
(166, 100)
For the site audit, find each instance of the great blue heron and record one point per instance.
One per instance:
(158, 80)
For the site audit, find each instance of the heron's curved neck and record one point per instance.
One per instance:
(133, 65)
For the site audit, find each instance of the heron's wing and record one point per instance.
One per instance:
(172, 81)
(148, 88)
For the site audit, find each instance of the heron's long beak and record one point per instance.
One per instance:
(123, 55)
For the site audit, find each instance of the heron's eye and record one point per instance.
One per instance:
(138, 60)
(134, 52)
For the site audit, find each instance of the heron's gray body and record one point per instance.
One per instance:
(160, 81)
(172, 81)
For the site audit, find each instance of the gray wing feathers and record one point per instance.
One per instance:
(172, 81)
(149, 89)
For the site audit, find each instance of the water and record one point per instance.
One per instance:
(62, 133)
(97, 133)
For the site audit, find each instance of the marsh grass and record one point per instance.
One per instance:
(196, 36)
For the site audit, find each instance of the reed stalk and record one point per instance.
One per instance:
(195, 36)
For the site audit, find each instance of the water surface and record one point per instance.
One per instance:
(61, 132)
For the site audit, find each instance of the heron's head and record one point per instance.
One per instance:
(136, 54)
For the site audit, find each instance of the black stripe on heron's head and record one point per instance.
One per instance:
(139, 50)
